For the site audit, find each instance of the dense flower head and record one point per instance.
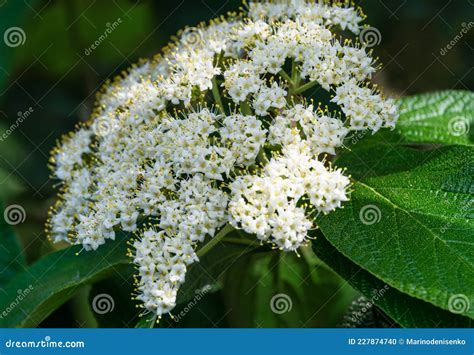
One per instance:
(220, 128)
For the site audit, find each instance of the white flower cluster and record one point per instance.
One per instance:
(271, 206)
(217, 130)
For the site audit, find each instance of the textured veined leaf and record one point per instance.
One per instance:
(445, 117)
(411, 225)
(405, 310)
(54, 279)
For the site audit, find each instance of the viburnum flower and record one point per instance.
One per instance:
(220, 130)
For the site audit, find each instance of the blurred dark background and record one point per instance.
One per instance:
(50, 73)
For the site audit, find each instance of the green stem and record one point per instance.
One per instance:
(245, 108)
(305, 87)
(295, 75)
(147, 321)
(242, 241)
(217, 95)
(285, 76)
(213, 242)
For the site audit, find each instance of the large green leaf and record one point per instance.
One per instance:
(445, 117)
(405, 310)
(54, 279)
(277, 289)
(410, 221)
(11, 257)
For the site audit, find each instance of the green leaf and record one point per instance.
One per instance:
(405, 310)
(11, 257)
(54, 279)
(277, 289)
(119, 309)
(445, 117)
(411, 227)
(213, 265)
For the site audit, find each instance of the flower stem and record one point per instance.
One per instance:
(214, 241)
(240, 241)
(217, 95)
(285, 76)
(305, 87)
(295, 75)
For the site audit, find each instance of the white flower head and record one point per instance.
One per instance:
(220, 129)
